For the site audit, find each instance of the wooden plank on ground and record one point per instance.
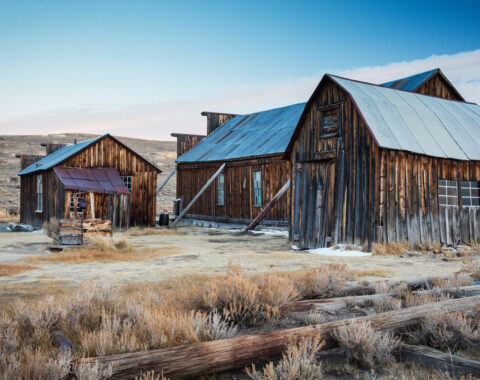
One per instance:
(445, 362)
(222, 355)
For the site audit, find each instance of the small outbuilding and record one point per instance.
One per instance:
(373, 163)
(100, 178)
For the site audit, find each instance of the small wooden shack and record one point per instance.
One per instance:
(252, 147)
(373, 163)
(98, 178)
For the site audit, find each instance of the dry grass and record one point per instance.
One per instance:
(103, 249)
(102, 320)
(137, 231)
(449, 332)
(14, 269)
(391, 249)
(387, 304)
(297, 363)
(372, 273)
(369, 348)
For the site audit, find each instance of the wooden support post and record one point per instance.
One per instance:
(92, 204)
(267, 208)
(191, 360)
(175, 222)
(442, 361)
(162, 185)
(114, 215)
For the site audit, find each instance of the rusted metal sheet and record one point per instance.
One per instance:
(97, 180)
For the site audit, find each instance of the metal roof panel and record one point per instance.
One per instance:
(97, 180)
(256, 134)
(410, 83)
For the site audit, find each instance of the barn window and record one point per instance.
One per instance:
(39, 194)
(127, 180)
(329, 121)
(447, 193)
(471, 193)
(221, 189)
(257, 188)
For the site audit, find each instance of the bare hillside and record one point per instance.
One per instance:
(162, 153)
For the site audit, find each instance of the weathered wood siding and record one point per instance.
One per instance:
(332, 176)
(439, 87)
(408, 208)
(345, 189)
(238, 188)
(108, 153)
(104, 153)
(186, 142)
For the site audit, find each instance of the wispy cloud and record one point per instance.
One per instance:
(158, 120)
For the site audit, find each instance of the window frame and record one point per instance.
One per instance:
(257, 188)
(129, 181)
(221, 202)
(470, 196)
(447, 185)
(71, 206)
(39, 193)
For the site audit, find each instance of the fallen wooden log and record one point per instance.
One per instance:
(430, 357)
(227, 354)
(331, 305)
(369, 287)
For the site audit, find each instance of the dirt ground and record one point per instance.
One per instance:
(200, 250)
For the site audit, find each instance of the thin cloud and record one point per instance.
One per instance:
(158, 120)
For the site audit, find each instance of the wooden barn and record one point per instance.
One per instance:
(252, 147)
(100, 178)
(374, 163)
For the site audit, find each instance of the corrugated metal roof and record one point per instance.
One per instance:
(256, 134)
(58, 156)
(417, 123)
(410, 83)
(97, 180)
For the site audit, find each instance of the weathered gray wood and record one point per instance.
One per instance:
(162, 185)
(430, 357)
(222, 355)
(330, 305)
(268, 207)
(212, 178)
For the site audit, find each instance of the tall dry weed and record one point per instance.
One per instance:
(298, 363)
(322, 282)
(364, 345)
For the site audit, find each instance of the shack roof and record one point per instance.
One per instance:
(412, 122)
(256, 134)
(97, 180)
(413, 82)
(67, 151)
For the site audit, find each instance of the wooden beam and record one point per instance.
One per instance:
(445, 362)
(192, 360)
(92, 204)
(162, 185)
(212, 178)
(331, 305)
(270, 205)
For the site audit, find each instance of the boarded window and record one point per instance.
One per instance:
(39, 194)
(221, 189)
(471, 193)
(447, 193)
(257, 188)
(127, 180)
(329, 121)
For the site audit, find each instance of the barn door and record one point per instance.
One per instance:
(317, 199)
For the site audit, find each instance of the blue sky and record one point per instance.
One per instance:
(101, 65)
